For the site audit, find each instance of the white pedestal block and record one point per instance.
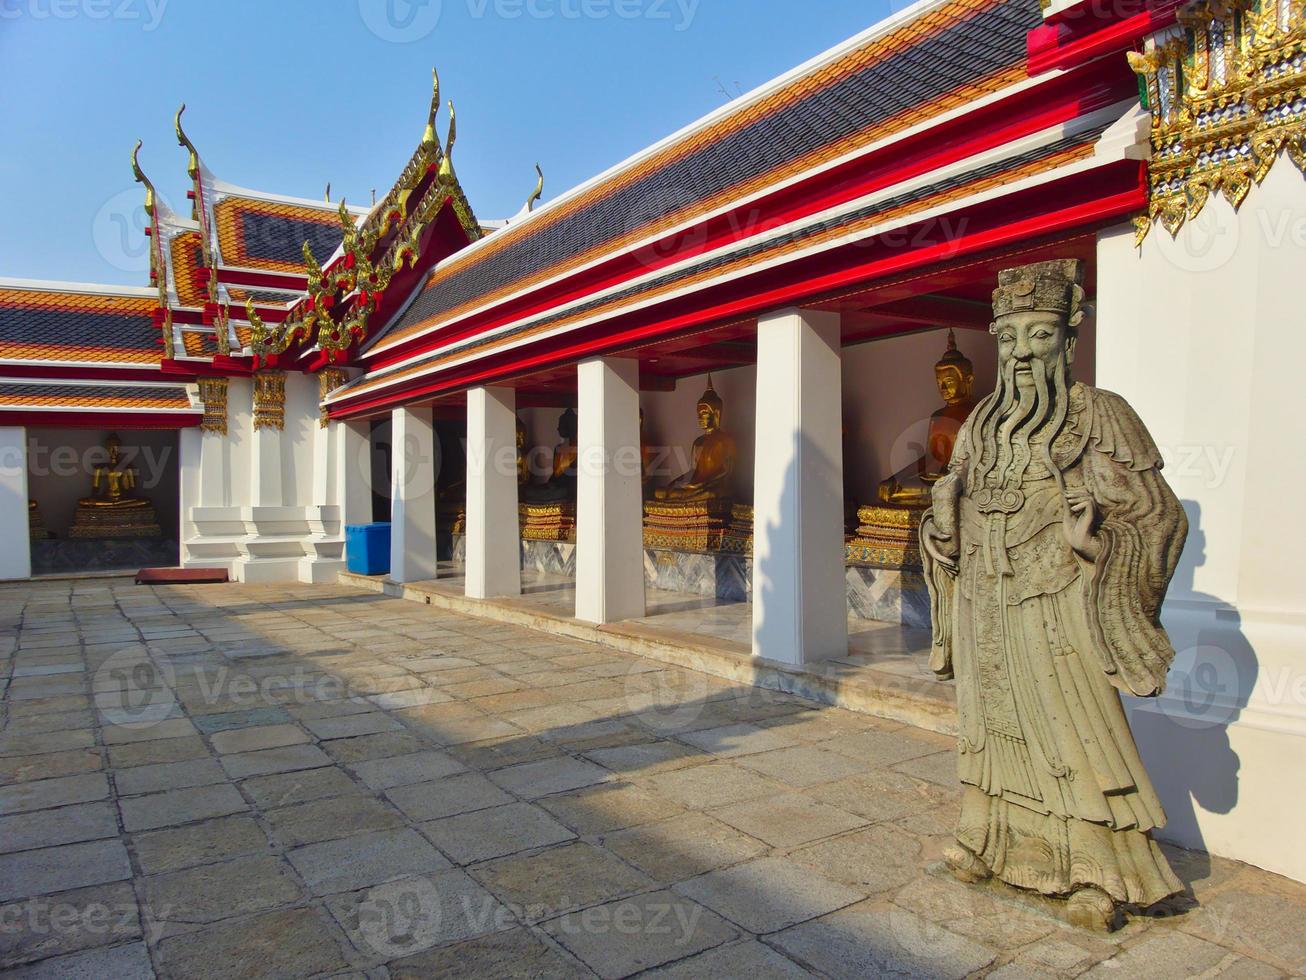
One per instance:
(16, 557)
(609, 500)
(412, 496)
(799, 609)
(493, 564)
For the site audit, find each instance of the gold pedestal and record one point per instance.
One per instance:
(453, 515)
(738, 538)
(887, 536)
(36, 529)
(124, 518)
(548, 521)
(688, 525)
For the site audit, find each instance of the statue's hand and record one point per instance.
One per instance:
(1081, 516)
(941, 547)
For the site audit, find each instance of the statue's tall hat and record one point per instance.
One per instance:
(1054, 286)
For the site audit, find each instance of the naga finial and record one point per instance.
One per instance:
(428, 137)
(326, 194)
(139, 174)
(538, 192)
(193, 161)
(446, 165)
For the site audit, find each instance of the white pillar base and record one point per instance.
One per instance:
(412, 496)
(799, 604)
(493, 564)
(609, 498)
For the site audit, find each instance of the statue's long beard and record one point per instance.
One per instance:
(1017, 423)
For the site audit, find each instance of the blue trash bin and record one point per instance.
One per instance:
(367, 548)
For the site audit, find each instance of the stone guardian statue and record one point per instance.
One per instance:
(1048, 550)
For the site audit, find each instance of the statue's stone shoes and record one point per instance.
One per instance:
(965, 865)
(1091, 908)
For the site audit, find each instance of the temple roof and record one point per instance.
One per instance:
(74, 396)
(61, 322)
(931, 58)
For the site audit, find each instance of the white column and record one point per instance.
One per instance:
(266, 449)
(609, 501)
(353, 471)
(493, 542)
(16, 557)
(799, 592)
(412, 495)
(190, 485)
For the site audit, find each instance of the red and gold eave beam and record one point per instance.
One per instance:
(1074, 205)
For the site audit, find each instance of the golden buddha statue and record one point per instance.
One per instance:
(887, 533)
(712, 475)
(693, 511)
(955, 376)
(548, 510)
(110, 512)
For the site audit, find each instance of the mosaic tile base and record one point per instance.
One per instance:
(889, 595)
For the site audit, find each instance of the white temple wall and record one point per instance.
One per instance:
(1202, 334)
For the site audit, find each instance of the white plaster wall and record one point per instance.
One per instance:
(1203, 335)
(240, 432)
(16, 558)
(302, 416)
(61, 463)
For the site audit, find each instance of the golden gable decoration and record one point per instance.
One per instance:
(1227, 93)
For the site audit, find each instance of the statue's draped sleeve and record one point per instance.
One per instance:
(1142, 530)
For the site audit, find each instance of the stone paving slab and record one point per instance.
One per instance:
(333, 783)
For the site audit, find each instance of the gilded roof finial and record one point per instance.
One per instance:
(193, 161)
(326, 195)
(446, 165)
(429, 135)
(538, 192)
(142, 179)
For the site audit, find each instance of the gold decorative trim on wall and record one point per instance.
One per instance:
(1227, 93)
(269, 400)
(328, 381)
(213, 395)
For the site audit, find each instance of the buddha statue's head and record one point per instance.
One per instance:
(113, 444)
(954, 373)
(1036, 313)
(521, 434)
(568, 425)
(709, 408)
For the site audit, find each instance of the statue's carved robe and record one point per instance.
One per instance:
(1055, 795)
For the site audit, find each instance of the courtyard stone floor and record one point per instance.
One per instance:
(270, 781)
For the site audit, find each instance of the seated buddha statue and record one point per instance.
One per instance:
(711, 477)
(955, 377)
(561, 484)
(110, 511)
(693, 511)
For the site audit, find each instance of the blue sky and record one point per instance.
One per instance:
(284, 96)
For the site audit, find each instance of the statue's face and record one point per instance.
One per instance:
(1033, 339)
(708, 417)
(953, 385)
